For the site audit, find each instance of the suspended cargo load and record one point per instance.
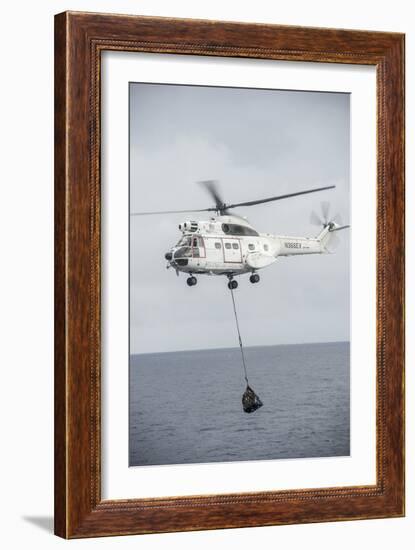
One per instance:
(250, 401)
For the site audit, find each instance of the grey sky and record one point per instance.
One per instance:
(257, 143)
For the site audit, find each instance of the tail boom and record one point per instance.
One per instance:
(296, 246)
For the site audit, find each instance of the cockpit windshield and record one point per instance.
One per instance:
(183, 252)
(189, 246)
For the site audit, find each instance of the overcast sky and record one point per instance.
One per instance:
(257, 143)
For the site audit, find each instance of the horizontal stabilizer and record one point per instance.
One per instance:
(257, 260)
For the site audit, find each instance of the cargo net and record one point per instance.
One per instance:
(250, 401)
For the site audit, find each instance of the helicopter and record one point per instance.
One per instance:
(228, 245)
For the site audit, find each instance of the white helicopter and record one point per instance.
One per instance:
(227, 244)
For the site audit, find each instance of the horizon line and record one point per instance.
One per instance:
(237, 347)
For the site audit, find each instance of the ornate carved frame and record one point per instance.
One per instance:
(79, 40)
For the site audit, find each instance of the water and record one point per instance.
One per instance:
(185, 407)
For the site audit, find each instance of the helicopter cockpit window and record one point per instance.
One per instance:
(242, 230)
(188, 247)
(197, 244)
(218, 246)
(184, 248)
(183, 252)
(184, 241)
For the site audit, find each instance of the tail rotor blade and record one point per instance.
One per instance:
(337, 219)
(315, 219)
(325, 210)
(333, 243)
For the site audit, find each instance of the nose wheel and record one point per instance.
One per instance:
(191, 281)
(254, 278)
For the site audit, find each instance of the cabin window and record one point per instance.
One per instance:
(235, 246)
(266, 247)
(228, 246)
(251, 246)
(240, 230)
(218, 246)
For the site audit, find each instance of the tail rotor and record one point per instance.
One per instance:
(333, 223)
(324, 218)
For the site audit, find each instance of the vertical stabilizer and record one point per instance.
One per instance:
(324, 237)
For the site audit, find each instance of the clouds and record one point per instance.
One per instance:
(257, 143)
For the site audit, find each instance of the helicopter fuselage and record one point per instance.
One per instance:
(229, 245)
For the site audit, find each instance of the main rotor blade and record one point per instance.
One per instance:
(171, 212)
(211, 187)
(213, 190)
(279, 197)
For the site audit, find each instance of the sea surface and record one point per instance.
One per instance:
(185, 407)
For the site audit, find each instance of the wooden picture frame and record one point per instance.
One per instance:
(79, 40)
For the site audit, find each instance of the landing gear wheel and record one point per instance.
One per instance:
(191, 281)
(254, 278)
(232, 285)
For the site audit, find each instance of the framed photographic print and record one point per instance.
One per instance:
(229, 277)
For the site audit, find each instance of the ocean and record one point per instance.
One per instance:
(185, 407)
